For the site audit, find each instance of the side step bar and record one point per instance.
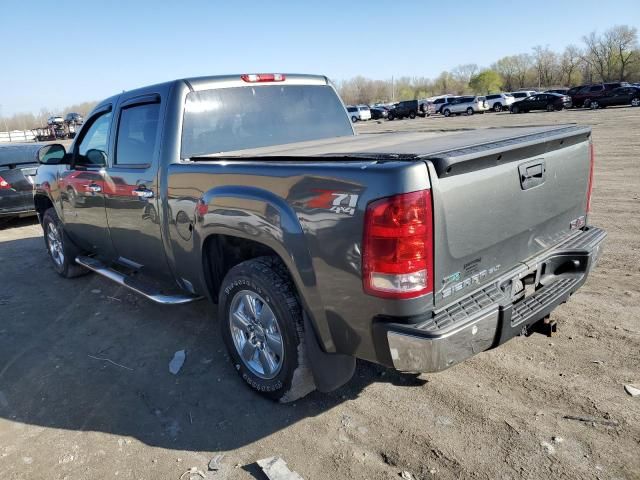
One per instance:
(134, 284)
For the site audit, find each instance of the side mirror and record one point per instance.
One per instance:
(96, 158)
(51, 154)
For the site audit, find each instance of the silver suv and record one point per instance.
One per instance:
(468, 105)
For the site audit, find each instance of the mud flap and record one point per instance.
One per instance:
(330, 370)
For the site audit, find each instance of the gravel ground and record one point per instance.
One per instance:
(68, 412)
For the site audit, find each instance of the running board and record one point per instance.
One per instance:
(135, 284)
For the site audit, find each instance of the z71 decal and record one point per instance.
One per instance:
(338, 202)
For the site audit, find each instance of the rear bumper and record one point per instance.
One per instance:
(488, 317)
(14, 204)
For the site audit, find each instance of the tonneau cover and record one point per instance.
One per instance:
(403, 144)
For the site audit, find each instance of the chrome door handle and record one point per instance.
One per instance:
(94, 187)
(143, 193)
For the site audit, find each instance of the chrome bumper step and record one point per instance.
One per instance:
(135, 284)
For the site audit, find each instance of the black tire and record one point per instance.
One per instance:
(515, 109)
(4, 221)
(586, 103)
(469, 111)
(412, 115)
(354, 119)
(635, 102)
(390, 117)
(497, 107)
(65, 265)
(550, 107)
(268, 278)
(446, 112)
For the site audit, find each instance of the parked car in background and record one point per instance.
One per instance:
(500, 101)
(522, 94)
(359, 113)
(55, 120)
(619, 96)
(561, 91)
(585, 96)
(18, 167)
(542, 101)
(425, 108)
(405, 109)
(378, 113)
(467, 105)
(439, 103)
(73, 118)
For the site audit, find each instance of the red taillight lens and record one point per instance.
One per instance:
(262, 77)
(4, 185)
(592, 159)
(397, 256)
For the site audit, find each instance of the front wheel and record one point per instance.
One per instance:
(354, 119)
(262, 326)
(447, 112)
(594, 105)
(497, 107)
(62, 251)
(469, 111)
(635, 102)
(412, 115)
(515, 110)
(550, 108)
(587, 103)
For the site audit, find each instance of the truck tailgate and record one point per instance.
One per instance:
(498, 204)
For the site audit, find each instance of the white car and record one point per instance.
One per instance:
(522, 94)
(55, 120)
(359, 113)
(500, 101)
(467, 105)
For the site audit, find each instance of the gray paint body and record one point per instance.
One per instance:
(482, 216)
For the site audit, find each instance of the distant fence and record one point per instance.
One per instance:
(18, 136)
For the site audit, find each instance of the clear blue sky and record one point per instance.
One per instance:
(57, 52)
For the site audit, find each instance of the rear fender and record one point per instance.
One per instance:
(258, 215)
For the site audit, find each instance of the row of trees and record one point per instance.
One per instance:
(28, 121)
(610, 56)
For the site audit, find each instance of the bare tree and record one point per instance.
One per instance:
(464, 73)
(624, 43)
(570, 63)
(546, 64)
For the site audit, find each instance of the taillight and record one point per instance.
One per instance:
(262, 77)
(4, 185)
(592, 159)
(397, 256)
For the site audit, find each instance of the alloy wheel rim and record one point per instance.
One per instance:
(256, 334)
(55, 244)
(635, 102)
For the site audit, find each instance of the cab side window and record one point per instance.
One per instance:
(137, 133)
(92, 149)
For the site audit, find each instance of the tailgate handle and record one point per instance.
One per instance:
(532, 174)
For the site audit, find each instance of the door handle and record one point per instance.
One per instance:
(94, 187)
(143, 192)
(532, 174)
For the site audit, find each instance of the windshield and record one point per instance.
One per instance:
(228, 119)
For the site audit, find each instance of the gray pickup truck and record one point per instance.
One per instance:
(319, 246)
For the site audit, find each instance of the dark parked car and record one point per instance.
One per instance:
(407, 108)
(378, 113)
(542, 101)
(18, 166)
(73, 118)
(618, 96)
(585, 95)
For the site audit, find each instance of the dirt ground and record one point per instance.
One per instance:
(67, 412)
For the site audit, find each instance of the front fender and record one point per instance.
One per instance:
(259, 215)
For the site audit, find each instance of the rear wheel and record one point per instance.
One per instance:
(390, 116)
(550, 107)
(515, 109)
(586, 103)
(594, 105)
(354, 119)
(469, 111)
(412, 115)
(635, 102)
(62, 251)
(447, 112)
(262, 326)
(497, 107)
